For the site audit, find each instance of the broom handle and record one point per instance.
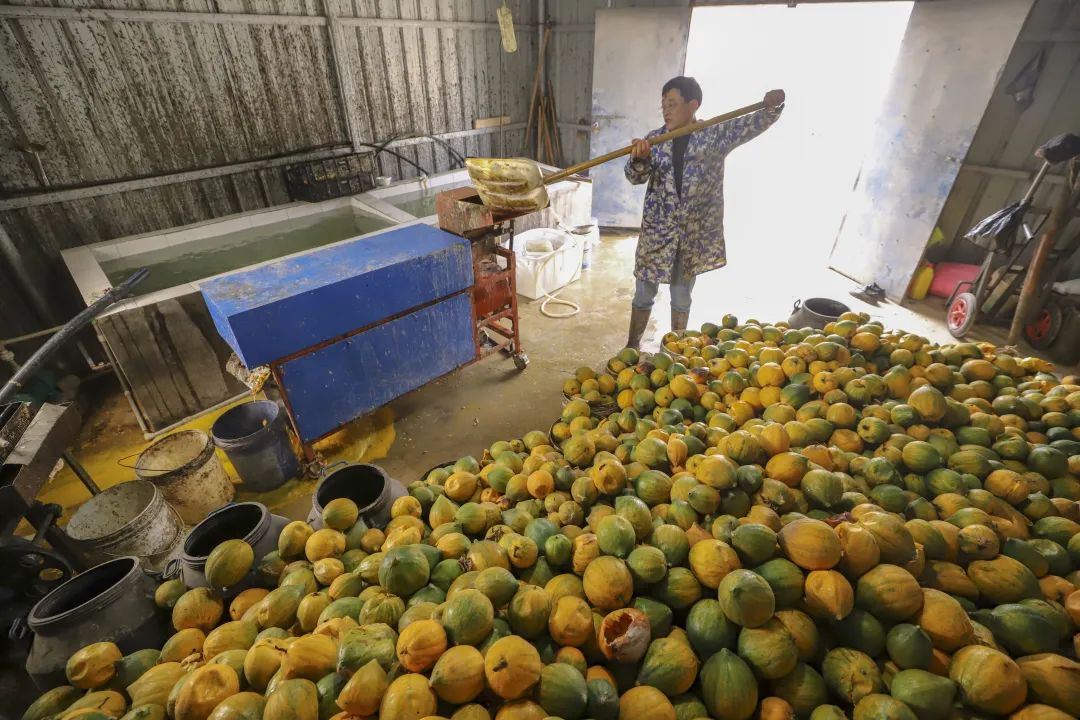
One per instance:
(1030, 195)
(685, 130)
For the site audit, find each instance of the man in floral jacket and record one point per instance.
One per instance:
(682, 225)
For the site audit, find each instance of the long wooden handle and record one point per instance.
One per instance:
(685, 130)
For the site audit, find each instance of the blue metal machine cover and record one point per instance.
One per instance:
(284, 307)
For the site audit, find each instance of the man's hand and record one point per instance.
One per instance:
(640, 149)
(774, 99)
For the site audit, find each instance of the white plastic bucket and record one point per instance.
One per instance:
(547, 259)
(186, 470)
(131, 518)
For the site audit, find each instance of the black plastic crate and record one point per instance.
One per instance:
(328, 179)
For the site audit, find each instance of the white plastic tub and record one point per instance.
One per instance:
(547, 260)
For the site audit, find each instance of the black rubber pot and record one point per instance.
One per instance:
(816, 312)
(113, 602)
(256, 441)
(368, 486)
(247, 521)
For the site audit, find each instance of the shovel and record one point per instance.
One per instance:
(517, 185)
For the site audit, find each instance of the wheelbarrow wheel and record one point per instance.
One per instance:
(961, 314)
(1044, 329)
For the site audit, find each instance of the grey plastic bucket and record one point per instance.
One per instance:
(251, 522)
(368, 486)
(131, 518)
(816, 312)
(186, 470)
(113, 602)
(256, 441)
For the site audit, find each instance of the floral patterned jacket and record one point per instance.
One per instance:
(690, 227)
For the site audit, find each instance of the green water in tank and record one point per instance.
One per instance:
(421, 203)
(199, 259)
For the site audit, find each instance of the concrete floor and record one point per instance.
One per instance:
(466, 411)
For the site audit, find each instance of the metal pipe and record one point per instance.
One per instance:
(1066, 200)
(73, 326)
(346, 94)
(90, 362)
(80, 472)
(119, 186)
(30, 336)
(1030, 194)
(25, 12)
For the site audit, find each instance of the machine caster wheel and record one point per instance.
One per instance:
(961, 314)
(1042, 331)
(521, 361)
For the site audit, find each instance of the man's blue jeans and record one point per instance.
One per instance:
(681, 289)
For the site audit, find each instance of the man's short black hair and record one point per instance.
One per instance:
(687, 86)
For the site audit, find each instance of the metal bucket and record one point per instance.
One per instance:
(251, 522)
(816, 312)
(254, 438)
(186, 470)
(113, 602)
(368, 486)
(131, 518)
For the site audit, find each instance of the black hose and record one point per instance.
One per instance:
(381, 149)
(74, 325)
(450, 149)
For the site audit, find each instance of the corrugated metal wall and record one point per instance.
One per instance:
(571, 63)
(999, 166)
(152, 89)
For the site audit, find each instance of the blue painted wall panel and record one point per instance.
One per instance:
(358, 374)
(279, 309)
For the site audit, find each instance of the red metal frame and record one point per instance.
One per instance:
(461, 212)
(495, 300)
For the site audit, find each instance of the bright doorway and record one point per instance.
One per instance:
(785, 192)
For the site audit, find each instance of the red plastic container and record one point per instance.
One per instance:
(947, 275)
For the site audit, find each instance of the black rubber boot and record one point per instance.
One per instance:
(639, 320)
(679, 321)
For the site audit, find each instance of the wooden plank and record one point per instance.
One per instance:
(250, 19)
(947, 67)
(450, 84)
(197, 359)
(27, 115)
(465, 46)
(416, 82)
(491, 122)
(143, 386)
(52, 60)
(185, 86)
(370, 61)
(225, 117)
(453, 77)
(431, 54)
